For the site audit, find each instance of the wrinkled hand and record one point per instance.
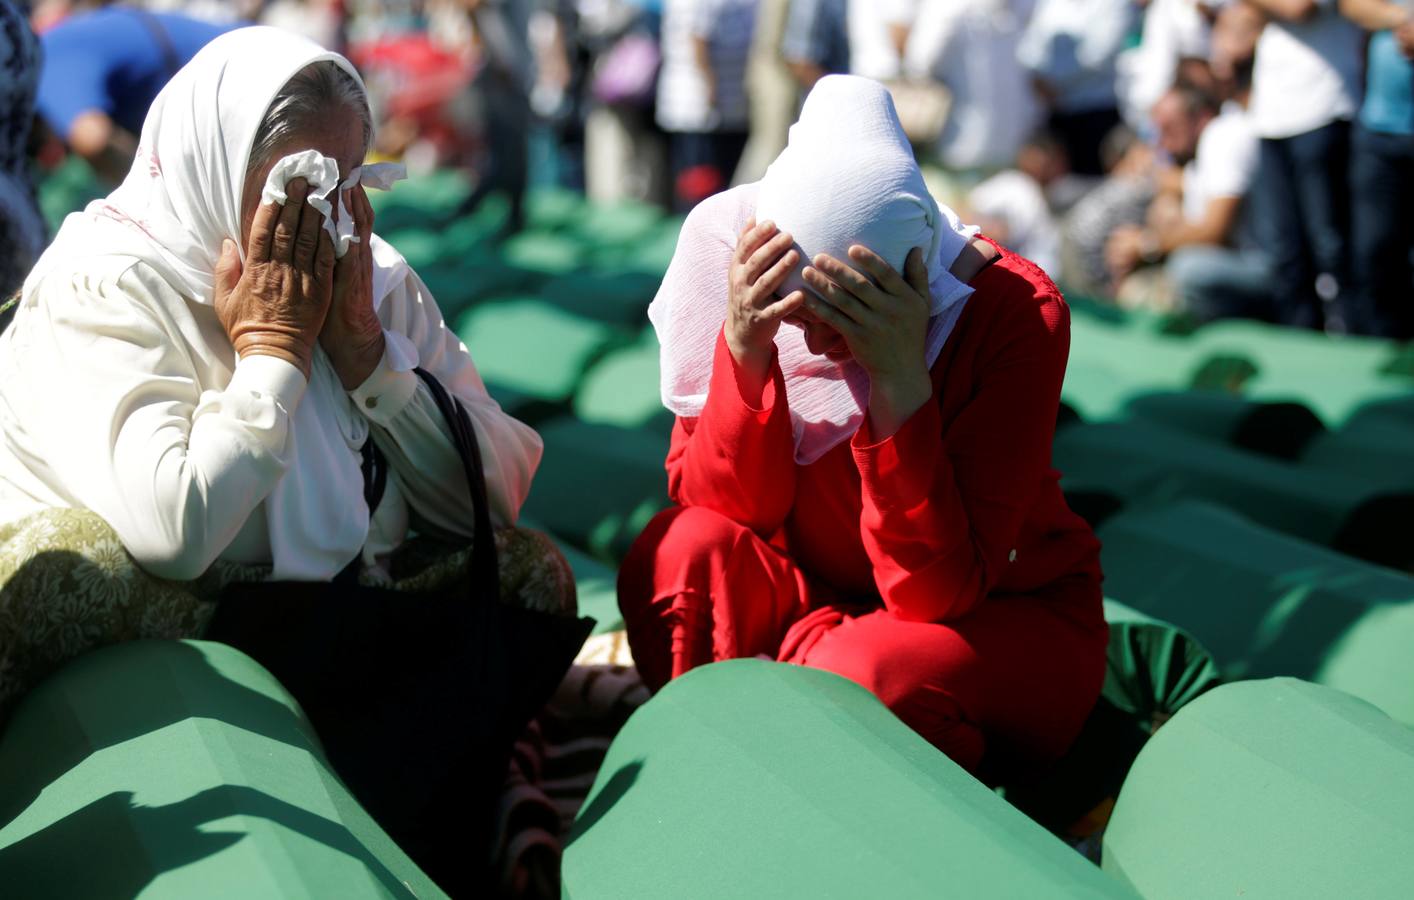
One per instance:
(276, 303)
(763, 259)
(352, 336)
(883, 318)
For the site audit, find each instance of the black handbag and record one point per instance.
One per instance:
(417, 698)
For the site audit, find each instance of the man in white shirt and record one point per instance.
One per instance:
(1305, 90)
(1070, 47)
(878, 36)
(971, 49)
(1173, 30)
(702, 100)
(1214, 265)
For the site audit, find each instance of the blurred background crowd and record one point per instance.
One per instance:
(1206, 158)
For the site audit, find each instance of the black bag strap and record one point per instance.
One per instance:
(484, 565)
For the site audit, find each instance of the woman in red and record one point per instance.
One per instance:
(869, 491)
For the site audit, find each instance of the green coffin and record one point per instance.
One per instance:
(533, 347)
(1280, 429)
(1379, 448)
(622, 388)
(181, 769)
(755, 779)
(598, 485)
(1267, 604)
(1138, 462)
(1269, 789)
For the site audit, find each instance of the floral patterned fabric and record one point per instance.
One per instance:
(67, 586)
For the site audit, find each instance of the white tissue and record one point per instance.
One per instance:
(322, 174)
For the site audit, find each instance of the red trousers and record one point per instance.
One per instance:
(1012, 681)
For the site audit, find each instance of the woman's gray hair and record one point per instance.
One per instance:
(303, 103)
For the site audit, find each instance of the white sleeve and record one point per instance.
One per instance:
(128, 432)
(929, 43)
(1102, 33)
(412, 433)
(1226, 158)
(896, 12)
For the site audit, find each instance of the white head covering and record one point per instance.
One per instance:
(178, 203)
(847, 176)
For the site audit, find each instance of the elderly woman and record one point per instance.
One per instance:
(198, 389)
(868, 489)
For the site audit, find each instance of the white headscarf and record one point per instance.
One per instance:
(847, 176)
(178, 203)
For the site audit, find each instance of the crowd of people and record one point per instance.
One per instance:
(1212, 158)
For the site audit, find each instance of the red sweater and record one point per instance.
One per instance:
(959, 505)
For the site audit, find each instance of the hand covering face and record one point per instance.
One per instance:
(179, 202)
(847, 176)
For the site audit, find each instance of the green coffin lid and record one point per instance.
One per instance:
(622, 388)
(598, 485)
(1271, 428)
(1379, 448)
(1269, 789)
(181, 769)
(530, 346)
(756, 779)
(1266, 604)
(1137, 461)
(620, 298)
(1277, 351)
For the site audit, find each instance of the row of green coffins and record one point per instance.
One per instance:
(181, 769)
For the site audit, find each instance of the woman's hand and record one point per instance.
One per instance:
(763, 259)
(352, 335)
(276, 303)
(883, 318)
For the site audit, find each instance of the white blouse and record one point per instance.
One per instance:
(120, 396)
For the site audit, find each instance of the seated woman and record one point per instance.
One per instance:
(868, 490)
(198, 389)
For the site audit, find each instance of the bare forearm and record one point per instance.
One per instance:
(1374, 15)
(1286, 10)
(702, 56)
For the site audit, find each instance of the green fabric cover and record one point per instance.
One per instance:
(1277, 352)
(530, 346)
(1153, 669)
(1110, 365)
(1380, 449)
(1336, 398)
(598, 485)
(620, 298)
(1137, 461)
(1267, 604)
(1280, 429)
(750, 778)
(622, 388)
(621, 223)
(68, 188)
(181, 769)
(1269, 789)
(545, 252)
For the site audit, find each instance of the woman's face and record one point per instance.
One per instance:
(341, 140)
(820, 338)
